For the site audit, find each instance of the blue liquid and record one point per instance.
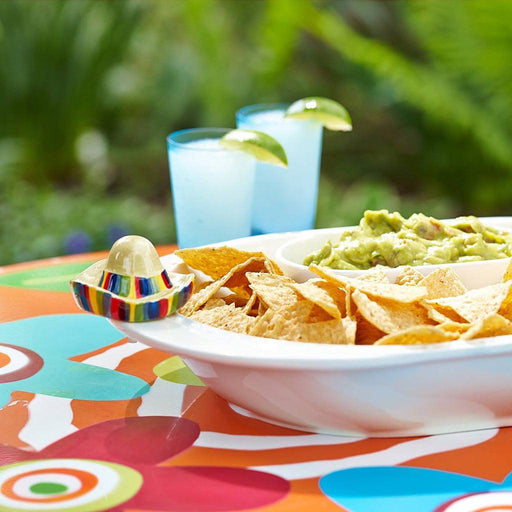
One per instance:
(212, 190)
(285, 199)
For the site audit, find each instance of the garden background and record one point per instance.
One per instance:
(90, 89)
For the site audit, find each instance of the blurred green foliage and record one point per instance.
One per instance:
(90, 89)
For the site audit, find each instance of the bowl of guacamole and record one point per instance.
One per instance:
(390, 241)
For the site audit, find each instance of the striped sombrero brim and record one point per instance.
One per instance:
(92, 298)
(101, 302)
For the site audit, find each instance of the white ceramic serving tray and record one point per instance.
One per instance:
(340, 389)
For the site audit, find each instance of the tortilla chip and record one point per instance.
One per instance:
(239, 300)
(214, 303)
(300, 311)
(273, 267)
(350, 330)
(492, 325)
(443, 282)
(332, 331)
(296, 313)
(506, 308)
(215, 262)
(201, 297)
(270, 323)
(409, 276)
(390, 316)
(349, 310)
(455, 327)
(279, 325)
(477, 304)
(507, 276)
(424, 334)
(229, 318)
(238, 281)
(376, 275)
(317, 295)
(441, 315)
(261, 308)
(273, 289)
(250, 303)
(377, 290)
(366, 333)
(317, 314)
(337, 294)
(239, 295)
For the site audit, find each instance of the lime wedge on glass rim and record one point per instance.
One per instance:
(261, 146)
(330, 113)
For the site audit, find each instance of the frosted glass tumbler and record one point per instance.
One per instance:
(285, 199)
(212, 187)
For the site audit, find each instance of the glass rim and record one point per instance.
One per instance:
(197, 134)
(256, 108)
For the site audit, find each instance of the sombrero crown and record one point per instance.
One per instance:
(133, 269)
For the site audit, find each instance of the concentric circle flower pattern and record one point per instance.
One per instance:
(67, 485)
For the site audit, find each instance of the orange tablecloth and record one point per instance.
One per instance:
(90, 421)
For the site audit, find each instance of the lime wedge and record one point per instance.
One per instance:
(260, 145)
(330, 113)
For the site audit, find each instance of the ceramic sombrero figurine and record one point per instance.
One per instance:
(131, 284)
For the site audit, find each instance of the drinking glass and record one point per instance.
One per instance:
(285, 199)
(212, 187)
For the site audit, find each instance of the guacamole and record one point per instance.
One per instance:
(384, 238)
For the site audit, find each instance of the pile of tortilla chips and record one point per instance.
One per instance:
(246, 292)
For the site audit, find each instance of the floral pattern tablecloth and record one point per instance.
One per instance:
(90, 421)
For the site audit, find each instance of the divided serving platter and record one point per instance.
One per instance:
(352, 390)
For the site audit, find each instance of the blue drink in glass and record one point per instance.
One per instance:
(285, 199)
(212, 187)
